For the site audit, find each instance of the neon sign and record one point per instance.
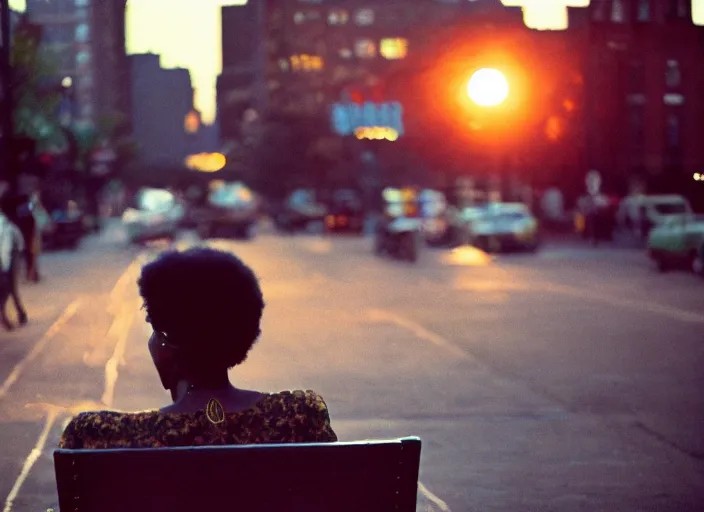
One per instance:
(348, 118)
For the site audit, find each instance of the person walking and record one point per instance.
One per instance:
(11, 246)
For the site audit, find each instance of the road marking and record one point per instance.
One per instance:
(121, 330)
(433, 498)
(633, 304)
(30, 460)
(421, 332)
(68, 313)
(125, 312)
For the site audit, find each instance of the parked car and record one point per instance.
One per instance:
(231, 209)
(155, 214)
(643, 212)
(300, 211)
(66, 229)
(679, 241)
(504, 226)
(345, 213)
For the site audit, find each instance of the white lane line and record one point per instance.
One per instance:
(633, 304)
(68, 313)
(421, 332)
(433, 498)
(125, 311)
(30, 460)
(120, 329)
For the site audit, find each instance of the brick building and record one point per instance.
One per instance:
(642, 64)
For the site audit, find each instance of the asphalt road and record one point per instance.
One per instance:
(564, 381)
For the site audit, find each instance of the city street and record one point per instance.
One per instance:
(568, 380)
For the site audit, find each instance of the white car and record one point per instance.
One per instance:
(157, 214)
(500, 226)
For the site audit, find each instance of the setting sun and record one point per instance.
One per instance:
(488, 87)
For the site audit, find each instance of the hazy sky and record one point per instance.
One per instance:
(189, 34)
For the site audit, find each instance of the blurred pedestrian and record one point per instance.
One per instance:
(11, 246)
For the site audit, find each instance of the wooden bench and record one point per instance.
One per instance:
(365, 476)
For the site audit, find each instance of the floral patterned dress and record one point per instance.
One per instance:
(285, 417)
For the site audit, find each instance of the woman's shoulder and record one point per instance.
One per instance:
(90, 425)
(298, 399)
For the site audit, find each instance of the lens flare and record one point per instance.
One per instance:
(488, 87)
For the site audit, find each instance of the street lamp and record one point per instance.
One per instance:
(488, 87)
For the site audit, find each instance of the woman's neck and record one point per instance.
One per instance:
(190, 387)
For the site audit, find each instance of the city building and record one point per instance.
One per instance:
(642, 65)
(111, 66)
(241, 84)
(164, 122)
(87, 39)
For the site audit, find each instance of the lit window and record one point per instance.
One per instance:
(643, 10)
(364, 17)
(365, 49)
(345, 53)
(81, 3)
(306, 63)
(338, 17)
(83, 58)
(393, 49)
(82, 32)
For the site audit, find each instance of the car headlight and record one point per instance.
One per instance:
(130, 216)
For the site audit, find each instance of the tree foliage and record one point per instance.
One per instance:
(35, 98)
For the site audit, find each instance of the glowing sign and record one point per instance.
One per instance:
(206, 162)
(192, 122)
(393, 49)
(347, 118)
(306, 62)
(376, 133)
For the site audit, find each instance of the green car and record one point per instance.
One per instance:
(678, 241)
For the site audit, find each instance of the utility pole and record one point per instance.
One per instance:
(6, 107)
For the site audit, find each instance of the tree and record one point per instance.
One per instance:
(35, 97)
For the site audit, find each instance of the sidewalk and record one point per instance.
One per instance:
(67, 275)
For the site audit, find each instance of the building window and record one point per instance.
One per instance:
(82, 33)
(306, 62)
(82, 58)
(637, 119)
(617, 12)
(678, 9)
(345, 53)
(673, 131)
(364, 17)
(301, 17)
(673, 76)
(643, 10)
(393, 49)
(81, 3)
(599, 10)
(365, 49)
(338, 17)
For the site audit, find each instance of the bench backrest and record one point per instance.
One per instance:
(367, 476)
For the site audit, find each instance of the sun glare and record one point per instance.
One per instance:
(488, 87)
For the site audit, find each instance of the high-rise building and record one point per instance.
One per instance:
(240, 86)
(87, 37)
(112, 67)
(161, 101)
